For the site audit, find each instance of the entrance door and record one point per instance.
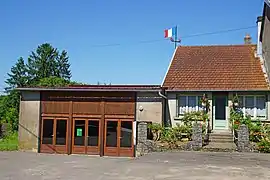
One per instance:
(86, 136)
(118, 138)
(54, 135)
(219, 110)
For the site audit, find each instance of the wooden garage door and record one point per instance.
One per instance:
(89, 118)
(54, 137)
(118, 137)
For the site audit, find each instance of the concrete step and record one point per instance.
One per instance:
(220, 147)
(221, 136)
(215, 136)
(221, 140)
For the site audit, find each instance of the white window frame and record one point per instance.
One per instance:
(197, 107)
(255, 106)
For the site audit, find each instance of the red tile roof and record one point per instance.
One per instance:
(228, 67)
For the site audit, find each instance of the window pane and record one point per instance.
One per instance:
(47, 137)
(79, 133)
(182, 104)
(111, 136)
(126, 134)
(191, 103)
(199, 103)
(249, 105)
(93, 133)
(61, 131)
(260, 105)
(241, 102)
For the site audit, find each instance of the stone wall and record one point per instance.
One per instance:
(144, 145)
(29, 121)
(243, 144)
(197, 137)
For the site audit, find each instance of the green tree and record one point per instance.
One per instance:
(42, 63)
(45, 67)
(17, 76)
(55, 82)
(9, 109)
(64, 66)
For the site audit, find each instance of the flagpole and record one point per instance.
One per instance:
(175, 38)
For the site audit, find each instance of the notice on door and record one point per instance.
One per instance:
(79, 132)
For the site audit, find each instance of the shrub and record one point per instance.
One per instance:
(183, 131)
(194, 116)
(170, 135)
(156, 129)
(264, 145)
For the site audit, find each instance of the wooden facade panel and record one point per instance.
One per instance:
(55, 107)
(87, 108)
(78, 150)
(111, 151)
(61, 149)
(126, 152)
(92, 150)
(121, 108)
(47, 148)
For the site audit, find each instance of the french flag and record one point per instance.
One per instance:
(170, 32)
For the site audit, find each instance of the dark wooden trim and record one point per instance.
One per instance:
(72, 135)
(54, 131)
(87, 116)
(70, 127)
(119, 116)
(118, 136)
(40, 123)
(55, 115)
(102, 128)
(86, 135)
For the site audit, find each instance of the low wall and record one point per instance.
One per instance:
(145, 146)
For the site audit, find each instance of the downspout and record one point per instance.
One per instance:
(164, 106)
(162, 95)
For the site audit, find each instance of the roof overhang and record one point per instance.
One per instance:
(96, 89)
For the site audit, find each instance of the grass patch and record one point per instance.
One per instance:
(9, 143)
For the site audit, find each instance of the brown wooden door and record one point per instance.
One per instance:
(118, 139)
(86, 139)
(93, 136)
(54, 135)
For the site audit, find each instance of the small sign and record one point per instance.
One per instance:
(79, 132)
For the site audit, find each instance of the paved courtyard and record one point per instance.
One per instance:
(181, 165)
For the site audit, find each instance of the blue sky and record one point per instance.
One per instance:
(80, 26)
